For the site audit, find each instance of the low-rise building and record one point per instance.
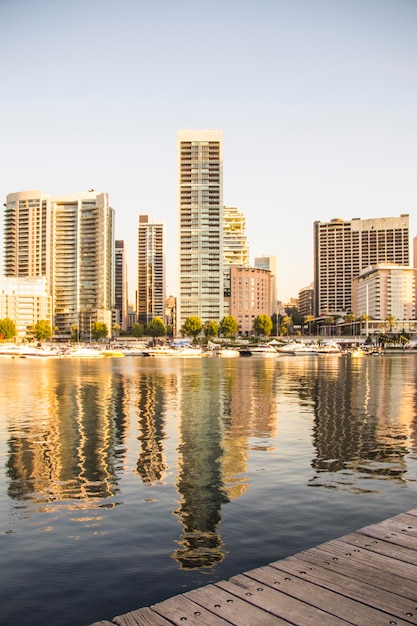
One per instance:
(25, 301)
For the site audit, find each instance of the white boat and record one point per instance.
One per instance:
(260, 350)
(299, 348)
(83, 352)
(227, 353)
(159, 352)
(188, 351)
(329, 347)
(27, 351)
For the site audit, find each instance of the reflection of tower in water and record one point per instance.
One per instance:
(199, 480)
(69, 450)
(151, 462)
(352, 427)
(250, 410)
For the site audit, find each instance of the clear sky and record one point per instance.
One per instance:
(317, 100)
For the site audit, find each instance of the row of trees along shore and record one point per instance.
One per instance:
(263, 325)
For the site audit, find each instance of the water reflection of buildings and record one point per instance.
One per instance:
(199, 479)
(363, 411)
(220, 409)
(151, 390)
(70, 443)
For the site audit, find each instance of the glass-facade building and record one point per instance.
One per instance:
(200, 214)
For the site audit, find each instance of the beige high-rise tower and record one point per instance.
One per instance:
(70, 240)
(200, 216)
(151, 270)
(343, 248)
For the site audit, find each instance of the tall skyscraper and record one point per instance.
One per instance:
(151, 270)
(343, 248)
(27, 231)
(270, 263)
(120, 284)
(200, 209)
(70, 240)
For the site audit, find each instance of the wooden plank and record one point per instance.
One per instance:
(180, 609)
(231, 608)
(375, 541)
(351, 587)
(359, 567)
(367, 578)
(322, 598)
(394, 532)
(141, 617)
(277, 603)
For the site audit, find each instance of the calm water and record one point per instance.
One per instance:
(125, 481)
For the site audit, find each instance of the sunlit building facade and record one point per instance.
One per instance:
(200, 215)
(25, 301)
(151, 270)
(270, 263)
(69, 239)
(250, 295)
(383, 291)
(343, 248)
(120, 284)
(235, 247)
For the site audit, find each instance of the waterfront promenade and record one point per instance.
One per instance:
(368, 577)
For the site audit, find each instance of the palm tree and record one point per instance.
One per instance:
(390, 321)
(308, 319)
(349, 319)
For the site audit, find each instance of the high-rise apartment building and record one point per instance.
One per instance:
(27, 232)
(306, 300)
(200, 215)
(70, 240)
(270, 263)
(385, 290)
(120, 284)
(343, 248)
(151, 270)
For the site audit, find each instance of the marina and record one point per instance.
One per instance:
(126, 482)
(366, 577)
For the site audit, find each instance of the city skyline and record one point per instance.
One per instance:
(316, 102)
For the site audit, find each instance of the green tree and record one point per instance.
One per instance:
(156, 328)
(99, 330)
(74, 333)
(262, 325)
(390, 321)
(7, 329)
(287, 323)
(350, 319)
(116, 330)
(229, 326)
(137, 330)
(192, 326)
(307, 320)
(211, 328)
(42, 330)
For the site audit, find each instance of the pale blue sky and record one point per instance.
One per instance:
(317, 101)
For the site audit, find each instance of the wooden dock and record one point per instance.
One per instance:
(365, 578)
